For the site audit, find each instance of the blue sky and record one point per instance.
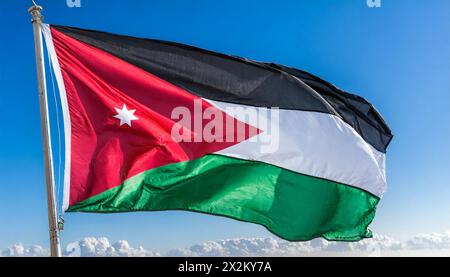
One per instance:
(397, 56)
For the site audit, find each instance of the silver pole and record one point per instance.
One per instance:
(55, 244)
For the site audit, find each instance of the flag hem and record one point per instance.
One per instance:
(65, 111)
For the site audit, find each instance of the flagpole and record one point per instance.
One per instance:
(55, 244)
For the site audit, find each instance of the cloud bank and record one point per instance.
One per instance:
(19, 250)
(101, 247)
(432, 244)
(275, 247)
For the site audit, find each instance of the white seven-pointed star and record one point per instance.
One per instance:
(125, 116)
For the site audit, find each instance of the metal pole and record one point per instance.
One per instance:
(55, 244)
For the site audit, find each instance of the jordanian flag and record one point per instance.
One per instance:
(153, 125)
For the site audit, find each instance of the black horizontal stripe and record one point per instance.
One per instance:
(237, 80)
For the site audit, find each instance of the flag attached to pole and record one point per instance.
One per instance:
(153, 125)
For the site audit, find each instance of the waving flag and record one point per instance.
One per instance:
(139, 114)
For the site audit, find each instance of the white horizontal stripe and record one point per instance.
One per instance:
(316, 144)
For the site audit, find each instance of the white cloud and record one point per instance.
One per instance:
(230, 247)
(18, 250)
(101, 247)
(437, 241)
(277, 247)
(432, 244)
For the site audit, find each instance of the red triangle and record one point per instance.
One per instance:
(105, 154)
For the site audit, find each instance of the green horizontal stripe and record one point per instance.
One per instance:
(291, 205)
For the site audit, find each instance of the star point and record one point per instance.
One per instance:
(125, 116)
